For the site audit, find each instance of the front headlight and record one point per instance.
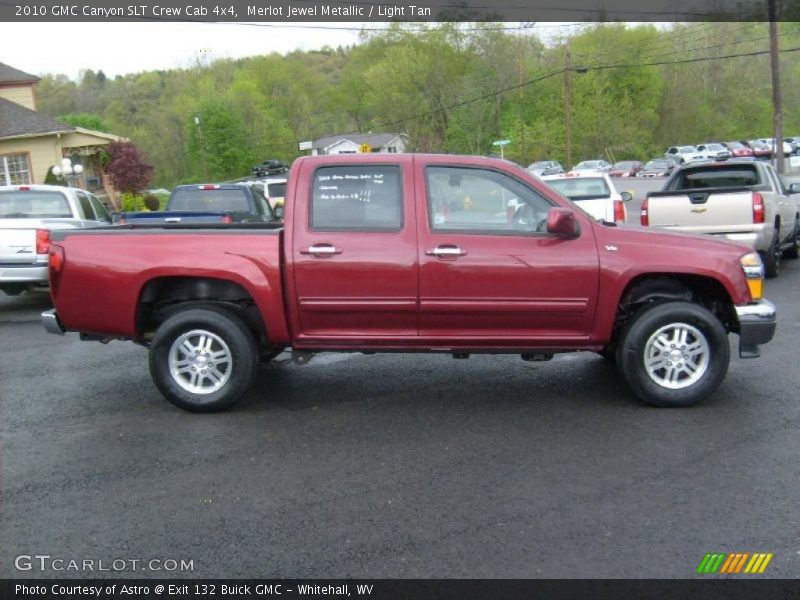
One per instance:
(754, 271)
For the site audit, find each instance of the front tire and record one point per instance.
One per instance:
(674, 354)
(203, 359)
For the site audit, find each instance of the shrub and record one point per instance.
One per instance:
(127, 167)
(132, 202)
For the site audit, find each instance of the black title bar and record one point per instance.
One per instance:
(368, 11)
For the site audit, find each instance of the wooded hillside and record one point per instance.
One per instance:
(452, 89)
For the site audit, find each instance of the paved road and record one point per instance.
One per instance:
(395, 465)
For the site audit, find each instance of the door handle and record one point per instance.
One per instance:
(322, 250)
(172, 220)
(446, 252)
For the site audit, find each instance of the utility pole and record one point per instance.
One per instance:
(568, 109)
(776, 86)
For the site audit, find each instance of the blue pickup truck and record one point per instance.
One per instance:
(208, 203)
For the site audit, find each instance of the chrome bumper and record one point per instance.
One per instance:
(51, 323)
(756, 326)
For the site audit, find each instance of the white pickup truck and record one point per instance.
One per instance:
(28, 213)
(741, 201)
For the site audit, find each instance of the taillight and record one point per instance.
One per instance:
(42, 241)
(227, 219)
(619, 211)
(56, 266)
(759, 212)
(56, 259)
(644, 217)
(209, 186)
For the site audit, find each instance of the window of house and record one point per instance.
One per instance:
(357, 198)
(15, 169)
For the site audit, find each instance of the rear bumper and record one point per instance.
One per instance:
(51, 323)
(757, 240)
(756, 326)
(23, 274)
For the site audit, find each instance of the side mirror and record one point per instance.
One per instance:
(626, 196)
(278, 212)
(794, 188)
(562, 222)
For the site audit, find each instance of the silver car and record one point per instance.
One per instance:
(28, 213)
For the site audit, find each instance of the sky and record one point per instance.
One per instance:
(121, 48)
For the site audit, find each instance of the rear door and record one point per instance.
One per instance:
(354, 252)
(490, 274)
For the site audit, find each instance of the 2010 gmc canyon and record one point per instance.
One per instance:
(412, 253)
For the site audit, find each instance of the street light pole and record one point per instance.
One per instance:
(70, 172)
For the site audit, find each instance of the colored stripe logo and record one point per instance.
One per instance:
(734, 563)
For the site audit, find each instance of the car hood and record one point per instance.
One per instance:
(669, 242)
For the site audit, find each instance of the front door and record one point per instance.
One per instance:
(490, 274)
(354, 253)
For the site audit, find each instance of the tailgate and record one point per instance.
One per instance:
(17, 246)
(698, 211)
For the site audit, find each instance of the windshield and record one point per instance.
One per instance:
(588, 164)
(210, 200)
(715, 147)
(34, 205)
(626, 164)
(584, 187)
(687, 149)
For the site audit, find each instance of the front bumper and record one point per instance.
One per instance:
(51, 323)
(756, 326)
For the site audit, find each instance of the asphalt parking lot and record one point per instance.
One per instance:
(394, 465)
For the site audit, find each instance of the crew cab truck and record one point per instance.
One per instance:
(412, 253)
(744, 202)
(208, 203)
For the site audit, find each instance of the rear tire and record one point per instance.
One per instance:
(203, 359)
(772, 257)
(673, 354)
(793, 252)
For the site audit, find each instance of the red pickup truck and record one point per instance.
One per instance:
(412, 253)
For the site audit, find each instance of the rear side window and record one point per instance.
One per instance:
(357, 198)
(99, 209)
(34, 205)
(581, 187)
(276, 190)
(731, 176)
(86, 207)
(210, 200)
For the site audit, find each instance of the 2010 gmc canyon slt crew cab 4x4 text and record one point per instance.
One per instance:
(412, 253)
